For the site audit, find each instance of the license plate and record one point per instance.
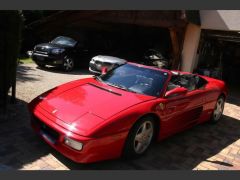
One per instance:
(47, 137)
(40, 58)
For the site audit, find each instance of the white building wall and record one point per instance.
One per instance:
(220, 19)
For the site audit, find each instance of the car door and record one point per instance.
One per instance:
(195, 107)
(180, 112)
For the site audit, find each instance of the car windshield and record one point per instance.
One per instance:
(137, 79)
(64, 41)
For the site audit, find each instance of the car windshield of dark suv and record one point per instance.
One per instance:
(64, 41)
(137, 79)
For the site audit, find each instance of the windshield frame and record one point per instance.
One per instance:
(67, 39)
(162, 90)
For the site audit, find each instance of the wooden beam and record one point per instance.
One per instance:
(177, 38)
(175, 48)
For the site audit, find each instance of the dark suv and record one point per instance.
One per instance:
(63, 52)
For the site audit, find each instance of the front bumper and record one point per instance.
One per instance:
(94, 71)
(94, 149)
(47, 59)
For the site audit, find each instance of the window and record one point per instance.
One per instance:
(188, 81)
(64, 41)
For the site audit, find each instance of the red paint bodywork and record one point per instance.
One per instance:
(101, 120)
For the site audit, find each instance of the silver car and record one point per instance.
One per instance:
(99, 62)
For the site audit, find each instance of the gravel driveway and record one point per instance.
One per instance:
(203, 147)
(32, 81)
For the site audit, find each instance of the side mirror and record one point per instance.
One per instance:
(103, 70)
(176, 92)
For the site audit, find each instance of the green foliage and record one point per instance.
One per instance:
(26, 60)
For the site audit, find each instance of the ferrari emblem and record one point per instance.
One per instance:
(161, 105)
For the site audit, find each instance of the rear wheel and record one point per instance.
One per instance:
(218, 111)
(140, 137)
(68, 64)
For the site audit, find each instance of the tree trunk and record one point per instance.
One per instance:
(10, 30)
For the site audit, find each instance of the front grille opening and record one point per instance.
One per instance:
(46, 129)
(98, 62)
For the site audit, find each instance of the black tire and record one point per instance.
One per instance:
(41, 65)
(129, 150)
(215, 118)
(68, 64)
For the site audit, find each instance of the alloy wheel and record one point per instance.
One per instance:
(217, 113)
(143, 137)
(68, 64)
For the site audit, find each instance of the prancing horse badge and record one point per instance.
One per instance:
(161, 105)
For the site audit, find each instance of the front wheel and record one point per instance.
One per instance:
(41, 65)
(218, 110)
(140, 137)
(68, 64)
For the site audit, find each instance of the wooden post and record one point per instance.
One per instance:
(176, 48)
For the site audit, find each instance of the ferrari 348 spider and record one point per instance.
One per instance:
(122, 112)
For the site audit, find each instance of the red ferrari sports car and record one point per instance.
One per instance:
(122, 112)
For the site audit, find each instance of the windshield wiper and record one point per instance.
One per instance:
(115, 85)
(121, 87)
(99, 78)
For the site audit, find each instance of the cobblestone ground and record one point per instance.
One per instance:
(204, 147)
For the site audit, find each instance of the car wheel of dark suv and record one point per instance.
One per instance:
(40, 65)
(68, 64)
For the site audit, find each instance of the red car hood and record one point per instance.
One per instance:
(74, 104)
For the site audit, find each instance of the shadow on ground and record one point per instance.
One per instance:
(233, 100)
(25, 73)
(76, 71)
(234, 95)
(19, 144)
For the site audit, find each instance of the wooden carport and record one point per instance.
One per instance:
(175, 21)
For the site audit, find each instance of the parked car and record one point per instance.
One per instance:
(99, 62)
(150, 57)
(123, 111)
(153, 57)
(61, 51)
